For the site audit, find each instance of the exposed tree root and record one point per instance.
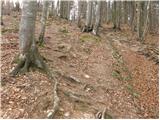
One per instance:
(56, 102)
(87, 29)
(32, 59)
(72, 79)
(103, 114)
(76, 97)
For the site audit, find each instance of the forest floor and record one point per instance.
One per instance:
(102, 76)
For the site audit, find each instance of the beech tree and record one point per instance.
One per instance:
(2, 3)
(88, 26)
(98, 17)
(43, 21)
(116, 15)
(142, 19)
(29, 55)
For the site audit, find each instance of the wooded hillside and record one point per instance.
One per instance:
(79, 59)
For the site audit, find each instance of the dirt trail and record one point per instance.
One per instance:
(87, 59)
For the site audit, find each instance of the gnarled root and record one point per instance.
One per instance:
(87, 29)
(31, 59)
(56, 102)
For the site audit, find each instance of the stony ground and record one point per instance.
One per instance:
(103, 75)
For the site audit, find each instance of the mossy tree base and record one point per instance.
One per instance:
(32, 59)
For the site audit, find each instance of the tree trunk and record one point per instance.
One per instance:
(143, 19)
(88, 26)
(98, 17)
(146, 22)
(29, 55)
(108, 12)
(116, 15)
(43, 22)
(79, 14)
(2, 3)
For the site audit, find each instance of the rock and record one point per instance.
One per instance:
(86, 76)
(67, 114)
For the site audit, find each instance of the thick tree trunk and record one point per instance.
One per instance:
(98, 17)
(43, 22)
(29, 55)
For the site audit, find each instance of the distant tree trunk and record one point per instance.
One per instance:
(116, 15)
(68, 9)
(108, 12)
(88, 27)
(79, 14)
(7, 8)
(126, 12)
(43, 22)
(98, 17)
(93, 14)
(133, 15)
(2, 3)
(29, 55)
(146, 22)
(17, 6)
(143, 19)
(51, 9)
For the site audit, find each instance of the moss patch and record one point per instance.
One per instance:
(89, 37)
(132, 91)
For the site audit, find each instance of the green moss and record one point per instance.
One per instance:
(88, 37)
(132, 91)
(116, 74)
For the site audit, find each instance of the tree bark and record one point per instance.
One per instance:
(116, 15)
(108, 12)
(29, 55)
(79, 14)
(43, 22)
(2, 3)
(88, 27)
(98, 17)
(143, 19)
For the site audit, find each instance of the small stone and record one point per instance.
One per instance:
(86, 76)
(67, 114)
(61, 109)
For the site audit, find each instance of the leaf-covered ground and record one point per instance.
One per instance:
(105, 74)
